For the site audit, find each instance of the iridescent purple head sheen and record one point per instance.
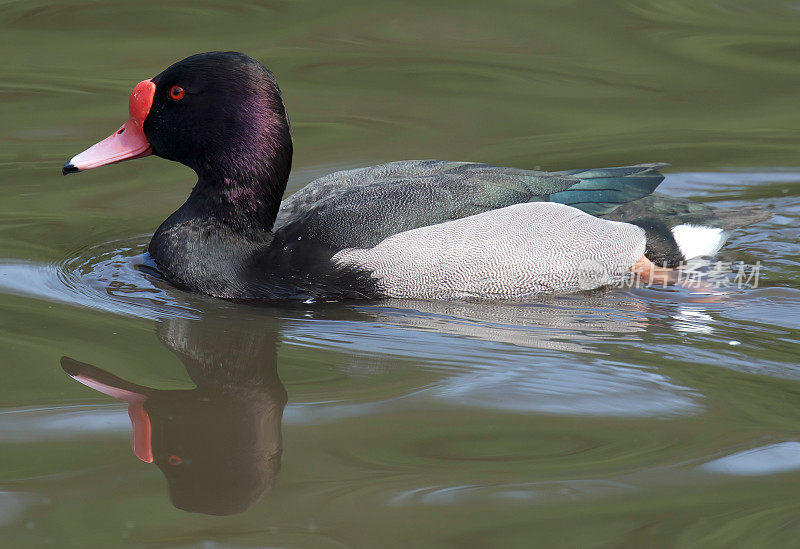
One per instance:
(231, 127)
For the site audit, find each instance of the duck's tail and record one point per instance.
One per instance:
(599, 191)
(735, 218)
(679, 229)
(707, 234)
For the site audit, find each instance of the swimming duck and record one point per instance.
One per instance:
(426, 229)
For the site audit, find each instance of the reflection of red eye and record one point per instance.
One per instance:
(176, 93)
(174, 460)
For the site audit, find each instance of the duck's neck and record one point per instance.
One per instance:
(244, 194)
(209, 243)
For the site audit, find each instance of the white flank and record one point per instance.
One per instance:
(696, 240)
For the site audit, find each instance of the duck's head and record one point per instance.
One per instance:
(219, 113)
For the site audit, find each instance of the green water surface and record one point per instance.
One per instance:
(624, 418)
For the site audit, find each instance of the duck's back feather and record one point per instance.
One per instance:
(361, 207)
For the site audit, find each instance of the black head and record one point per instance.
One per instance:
(218, 113)
(221, 114)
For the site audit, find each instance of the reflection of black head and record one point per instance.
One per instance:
(220, 451)
(219, 445)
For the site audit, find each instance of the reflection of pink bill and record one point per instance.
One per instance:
(131, 393)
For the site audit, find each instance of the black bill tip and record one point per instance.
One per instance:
(69, 168)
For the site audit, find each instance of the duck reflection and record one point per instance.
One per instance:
(219, 445)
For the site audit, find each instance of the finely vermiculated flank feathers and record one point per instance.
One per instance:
(601, 190)
(512, 252)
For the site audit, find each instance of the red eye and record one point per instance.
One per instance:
(173, 459)
(176, 93)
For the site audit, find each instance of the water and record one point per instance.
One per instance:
(625, 418)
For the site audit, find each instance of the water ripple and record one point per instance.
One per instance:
(108, 277)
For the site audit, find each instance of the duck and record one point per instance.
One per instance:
(422, 229)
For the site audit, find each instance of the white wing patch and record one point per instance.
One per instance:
(511, 252)
(697, 240)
